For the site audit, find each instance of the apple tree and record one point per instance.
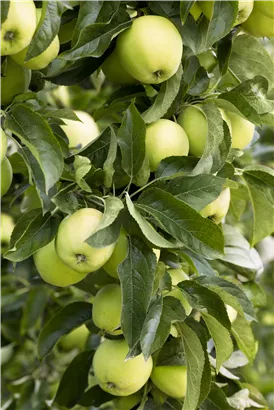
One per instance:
(137, 204)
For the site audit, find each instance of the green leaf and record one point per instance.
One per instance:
(97, 151)
(150, 326)
(172, 167)
(65, 199)
(5, 5)
(216, 398)
(182, 222)
(197, 263)
(109, 162)
(142, 176)
(37, 299)
(131, 140)
(260, 184)
(165, 8)
(168, 91)
(82, 167)
(172, 353)
(136, 274)
(36, 134)
(68, 318)
(242, 331)
(32, 232)
(63, 113)
(94, 397)
(185, 7)
(195, 76)
(74, 380)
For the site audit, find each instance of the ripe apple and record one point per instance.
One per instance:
(52, 270)
(177, 276)
(76, 339)
(107, 309)
(66, 31)
(151, 49)
(245, 8)
(43, 59)
(164, 138)
(218, 209)
(7, 226)
(80, 133)
(4, 144)
(71, 247)
(194, 121)
(171, 380)
(19, 27)
(118, 255)
(242, 130)
(260, 23)
(6, 176)
(117, 376)
(115, 71)
(15, 80)
(128, 402)
(232, 313)
(208, 60)
(196, 11)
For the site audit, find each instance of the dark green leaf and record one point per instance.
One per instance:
(171, 166)
(35, 304)
(5, 5)
(185, 7)
(151, 325)
(242, 331)
(109, 162)
(95, 396)
(172, 353)
(65, 199)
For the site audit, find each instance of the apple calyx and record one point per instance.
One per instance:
(80, 258)
(158, 74)
(9, 35)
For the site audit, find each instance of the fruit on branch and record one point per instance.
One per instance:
(260, 23)
(171, 380)
(18, 28)
(151, 49)
(42, 60)
(195, 11)
(107, 309)
(118, 255)
(128, 402)
(66, 31)
(7, 226)
(217, 209)
(80, 133)
(165, 138)
(244, 10)
(117, 376)
(4, 144)
(177, 276)
(208, 60)
(52, 270)
(242, 130)
(232, 313)
(6, 175)
(71, 247)
(194, 121)
(115, 71)
(15, 80)
(76, 339)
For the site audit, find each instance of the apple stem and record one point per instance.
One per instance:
(158, 73)
(111, 385)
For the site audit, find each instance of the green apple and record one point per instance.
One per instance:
(80, 133)
(71, 247)
(6, 176)
(115, 71)
(15, 80)
(76, 339)
(194, 121)
(171, 380)
(128, 402)
(4, 144)
(118, 255)
(52, 270)
(177, 276)
(232, 313)
(195, 11)
(244, 10)
(151, 49)
(261, 21)
(218, 209)
(242, 130)
(43, 59)
(165, 138)
(107, 309)
(66, 31)
(208, 60)
(117, 376)
(19, 27)
(7, 226)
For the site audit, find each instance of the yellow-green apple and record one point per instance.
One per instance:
(218, 209)
(71, 247)
(66, 31)
(76, 339)
(114, 374)
(151, 49)
(107, 309)
(128, 402)
(118, 255)
(52, 270)
(244, 9)
(195, 11)
(165, 138)
(15, 80)
(242, 130)
(18, 28)
(4, 144)
(261, 21)
(194, 121)
(7, 226)
(177, 276)
(80, 133)
(115, 71)
(208, 60)
(172, 380)
(6, 175)
(43, 59)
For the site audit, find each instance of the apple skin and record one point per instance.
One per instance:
(151, 49)
(6, 176)
(16, 81)
(70, 241)
(80, 133)
(195, 11)
(52, 270)
(245, 8)
(177, 276)
(165, 138)
(4, 144)
(107, 309)
(115, 72)
(128, 402)
(42, 60)
(19, 27)
(193, 120)
(218, 209)
(7, 226)
(76, 339)
(232, 313)
(242, 130)
(260, 23)
(171, 380)
(117, 376)
(208, 60)
(118, 255)
(66, 31)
